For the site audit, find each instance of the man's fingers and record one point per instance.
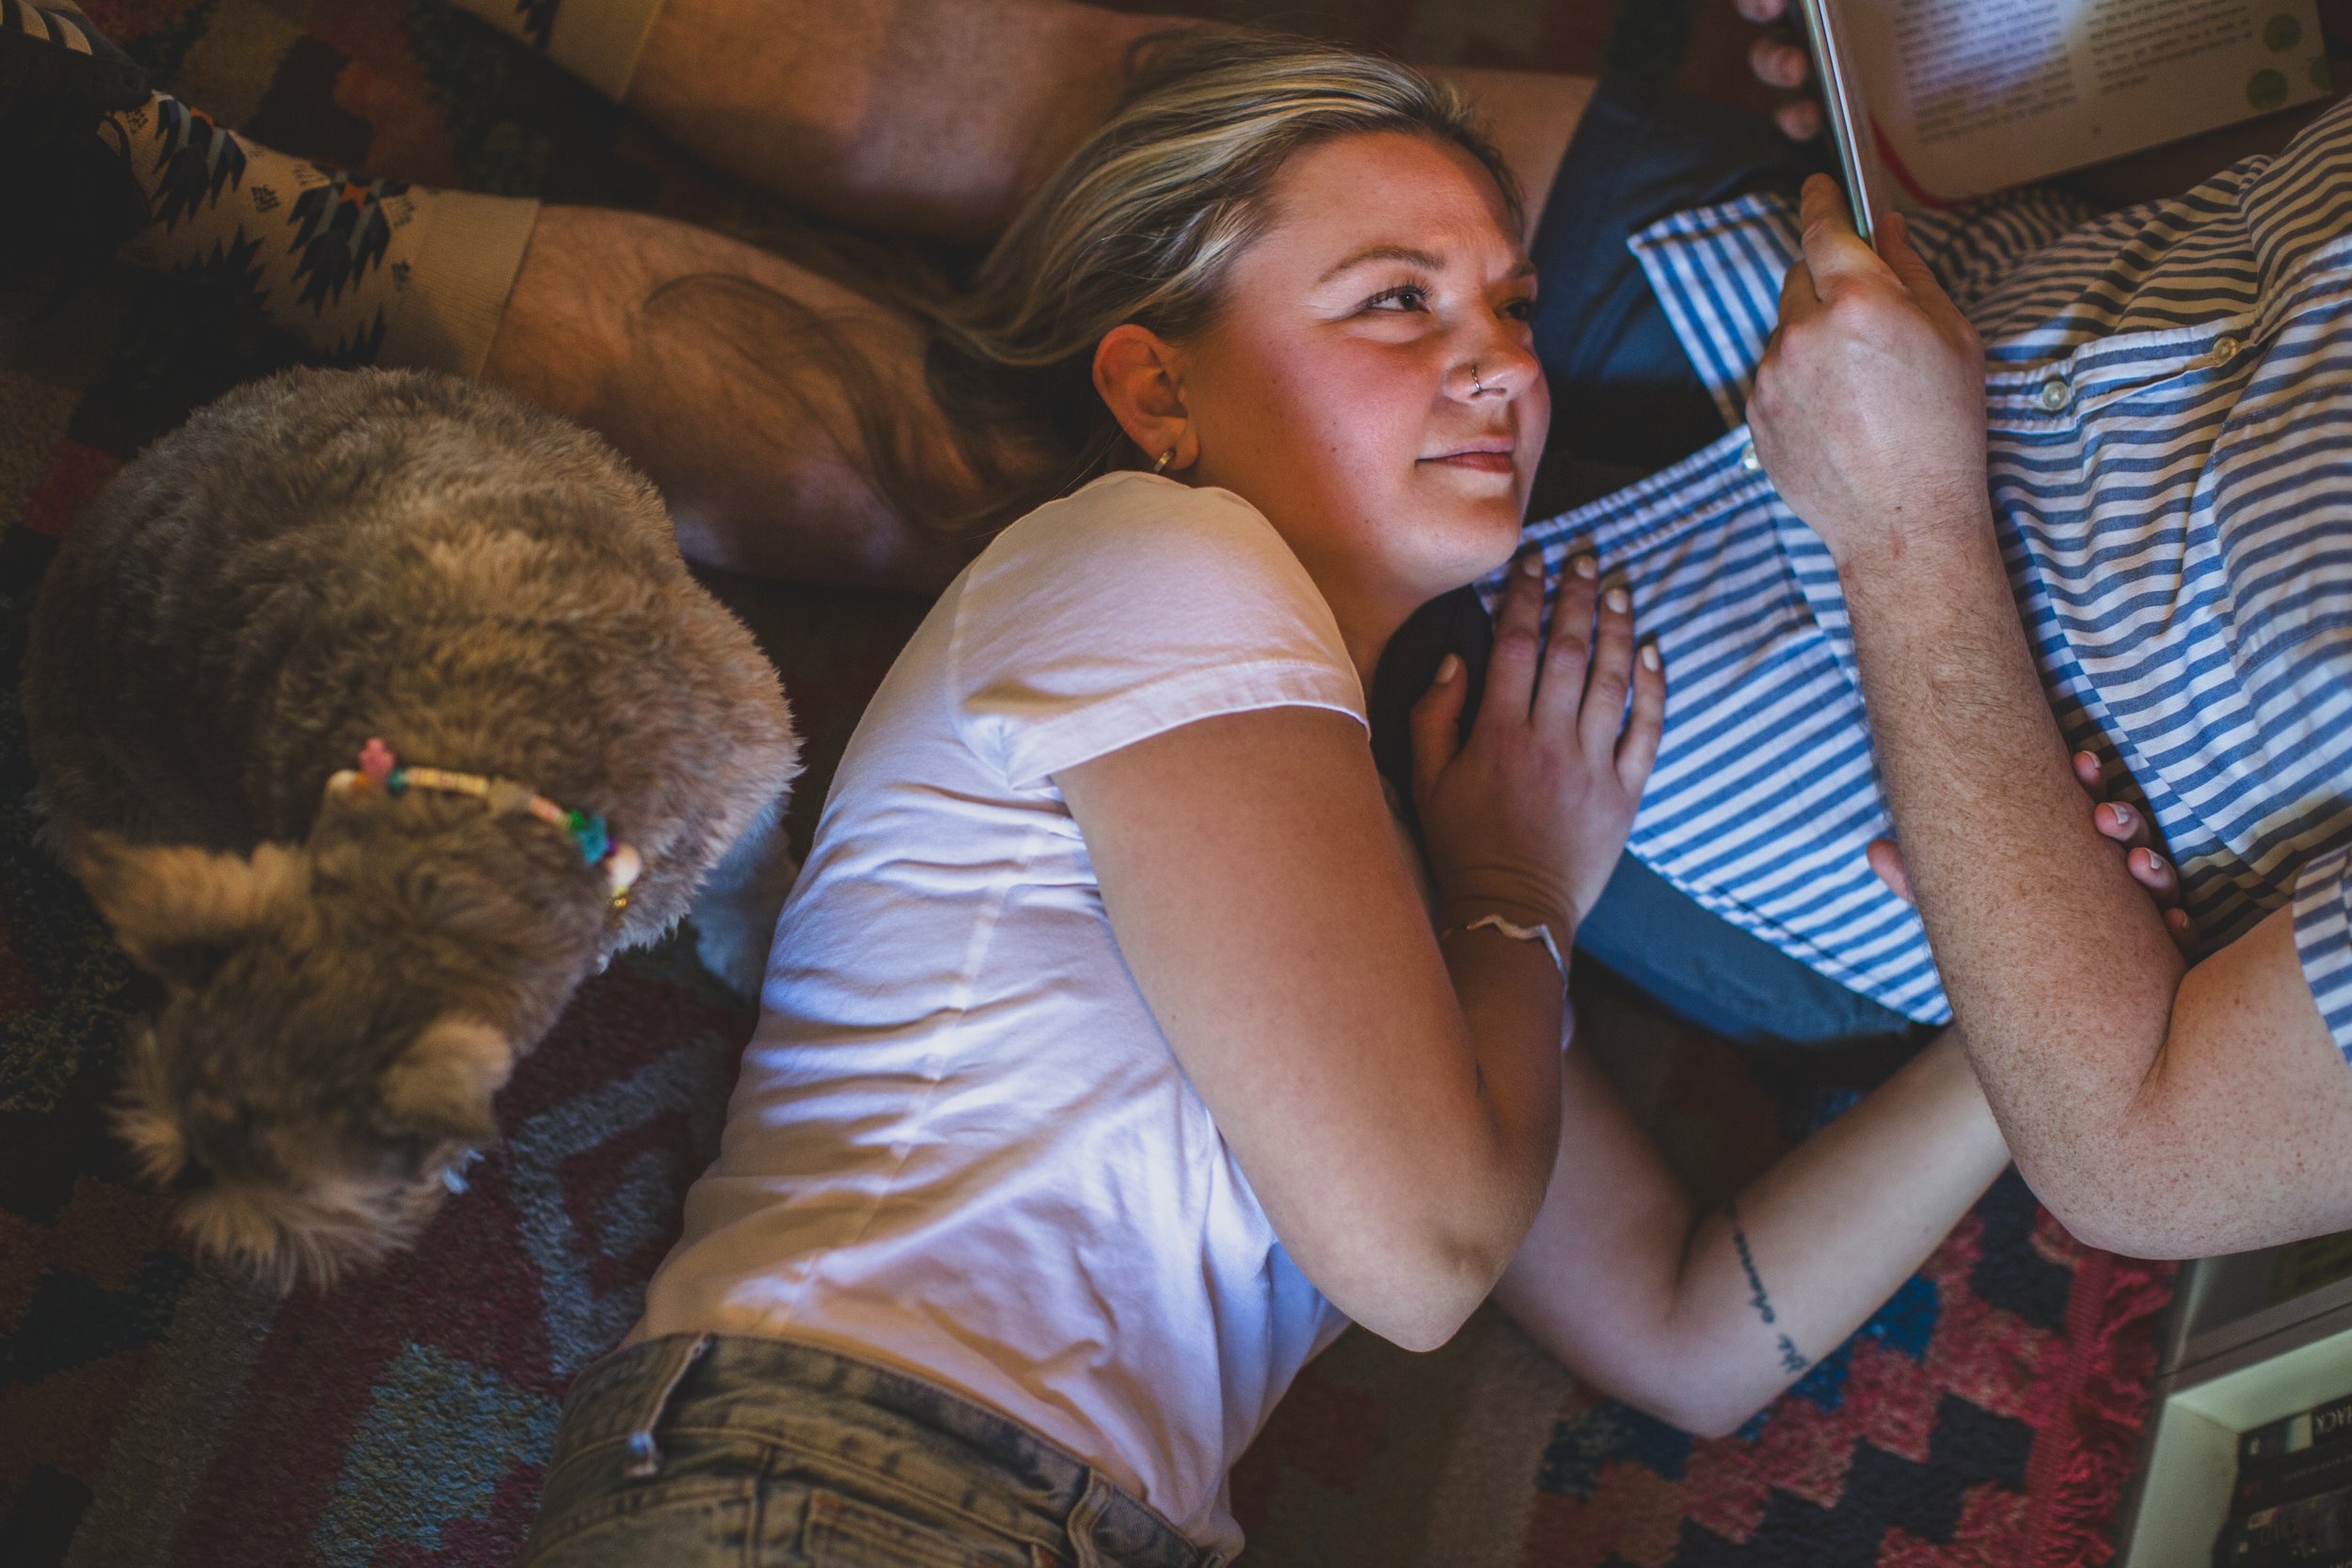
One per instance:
(1887, 861)
(1611, 683)
(1511, 672)
(1777, 64)
(1831, 248)
(1435, 724)
(1798, 299)
(1569, 651)
(1799, 121)
(1761, 11)
(1637, 748)
(1914, 275)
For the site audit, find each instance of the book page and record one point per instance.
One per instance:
(1971, 96)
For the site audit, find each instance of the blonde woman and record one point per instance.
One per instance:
(1114, 1054)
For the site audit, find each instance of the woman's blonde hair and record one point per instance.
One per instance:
(1141, 224)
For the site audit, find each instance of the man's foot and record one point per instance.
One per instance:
(65, 183)
(57, 68)
(92, 165)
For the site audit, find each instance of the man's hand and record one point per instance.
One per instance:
(1869, 409)
(1779, 61)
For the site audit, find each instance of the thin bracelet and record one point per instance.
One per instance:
(1517, 932)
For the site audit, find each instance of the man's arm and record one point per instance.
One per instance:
(2155, 1110)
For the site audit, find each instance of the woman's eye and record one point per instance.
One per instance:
(1521, 309)
(1405, 296)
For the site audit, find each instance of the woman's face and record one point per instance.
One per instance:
(1370, 381)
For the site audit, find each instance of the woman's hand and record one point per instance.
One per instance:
(2114, 820)
(1869, 409)
(1529, 816)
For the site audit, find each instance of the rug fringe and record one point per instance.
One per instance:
(2110, 1410)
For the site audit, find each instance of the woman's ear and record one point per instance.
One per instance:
(1137, 374)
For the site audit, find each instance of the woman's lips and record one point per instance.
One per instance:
(1477, 462)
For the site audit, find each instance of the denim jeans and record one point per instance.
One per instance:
(697, 1451)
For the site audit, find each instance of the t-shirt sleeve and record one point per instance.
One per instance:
(1133, 607)
(2323, 938)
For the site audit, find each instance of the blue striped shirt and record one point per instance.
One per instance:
(2169, 402)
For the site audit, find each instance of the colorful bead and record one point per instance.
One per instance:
(378, 766)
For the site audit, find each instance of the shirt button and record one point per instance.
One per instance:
(1749, 460)
(2054, 394)
(2224, 350)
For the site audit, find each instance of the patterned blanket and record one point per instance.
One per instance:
(153, 1412)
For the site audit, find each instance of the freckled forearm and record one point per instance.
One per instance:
(2055, 962)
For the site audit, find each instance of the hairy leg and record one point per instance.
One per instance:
(936, 117)
(927, 117)
(693, 355)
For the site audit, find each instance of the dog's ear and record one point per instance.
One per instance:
(440, 1086)
(180, 911)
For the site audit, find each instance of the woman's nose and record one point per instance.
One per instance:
(1496, 366)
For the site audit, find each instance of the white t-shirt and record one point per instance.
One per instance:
(961, 1144)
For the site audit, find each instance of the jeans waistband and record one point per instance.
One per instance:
(842, 1410)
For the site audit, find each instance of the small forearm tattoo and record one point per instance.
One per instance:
(1791, 1358)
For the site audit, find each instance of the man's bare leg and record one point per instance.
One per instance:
(936, 119)
(687, 350)
(932, 118)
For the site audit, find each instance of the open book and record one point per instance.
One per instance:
(1934, 101)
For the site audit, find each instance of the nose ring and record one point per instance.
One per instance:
(1478, 387)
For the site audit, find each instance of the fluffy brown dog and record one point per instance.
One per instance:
(313, 561)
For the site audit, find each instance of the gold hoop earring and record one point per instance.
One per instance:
(1166, 458)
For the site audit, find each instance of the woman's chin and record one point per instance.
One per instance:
(1478, 548)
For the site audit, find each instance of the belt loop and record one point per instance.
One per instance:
(645, 1455)
(1083, 1518)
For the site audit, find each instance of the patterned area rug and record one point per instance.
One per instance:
(153, 1412)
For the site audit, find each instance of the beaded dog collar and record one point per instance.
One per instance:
(380, 770)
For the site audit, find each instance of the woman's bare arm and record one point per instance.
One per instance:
(1397, 1138)
(1392, 1097)
(1703, 1318)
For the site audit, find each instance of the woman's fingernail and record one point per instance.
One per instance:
(2156, 862)
(1649, 656)
(1585, 568)
(1617, 599)
(1531, 566)
(1448, 668)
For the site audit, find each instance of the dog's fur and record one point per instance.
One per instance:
(318, 559)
